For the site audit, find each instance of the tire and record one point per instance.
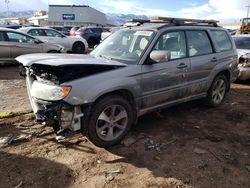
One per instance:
(53, 51)
(217, 91)
(78, 48)
(105, 129)
(92, 42)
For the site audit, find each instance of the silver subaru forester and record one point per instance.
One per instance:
(134, 71)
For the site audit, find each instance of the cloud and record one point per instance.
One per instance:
(217, 9)
(132, 7)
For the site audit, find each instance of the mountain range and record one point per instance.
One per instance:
(115, 19)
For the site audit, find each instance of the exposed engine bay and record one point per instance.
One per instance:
(61, 74)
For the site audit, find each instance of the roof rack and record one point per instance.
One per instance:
(176, 21)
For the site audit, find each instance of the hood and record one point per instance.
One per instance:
(64, 59)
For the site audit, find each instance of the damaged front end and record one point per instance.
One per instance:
(48, 80)
(46, 98)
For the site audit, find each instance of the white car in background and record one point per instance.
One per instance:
(70, 43)
(242, 43)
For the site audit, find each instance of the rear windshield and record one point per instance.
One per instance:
(242, 42)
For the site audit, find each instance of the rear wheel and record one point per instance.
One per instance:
(110, 120)
(78, 48)
(217, 92)
(53, 51)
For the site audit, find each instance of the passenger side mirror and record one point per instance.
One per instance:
(160, 56)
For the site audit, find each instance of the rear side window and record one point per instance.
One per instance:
(52, 33)
(242, 42)
(222, 39)
(36, 32)
(198, 43)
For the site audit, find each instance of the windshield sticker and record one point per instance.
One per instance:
(144, 33)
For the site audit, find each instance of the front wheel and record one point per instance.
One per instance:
(109, 121)
(217, 92)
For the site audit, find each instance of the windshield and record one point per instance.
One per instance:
(124, 45)
(246, 20)
(242, 42)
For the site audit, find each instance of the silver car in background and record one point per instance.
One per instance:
(73, 44)
(14, 43)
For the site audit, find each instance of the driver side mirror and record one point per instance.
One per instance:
(160, 56)
(36, 41)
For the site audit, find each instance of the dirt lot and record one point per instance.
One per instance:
(184, 146)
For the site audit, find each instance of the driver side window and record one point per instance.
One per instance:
(174, 43)
(17, 37)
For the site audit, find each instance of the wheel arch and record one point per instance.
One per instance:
(78, 42)
(227, 74)
(126, 94)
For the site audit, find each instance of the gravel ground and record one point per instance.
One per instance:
(188, 145)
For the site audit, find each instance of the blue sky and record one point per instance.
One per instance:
(205, 9)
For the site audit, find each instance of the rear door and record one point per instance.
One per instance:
(165, 82)
(4, 47)
(203, 59)
(57, 38)
(22, 44)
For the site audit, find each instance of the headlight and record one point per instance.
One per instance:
(49, 92)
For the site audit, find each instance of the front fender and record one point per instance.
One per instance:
(87, 92)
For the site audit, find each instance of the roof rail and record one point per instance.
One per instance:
(176, 21)
(183, 20)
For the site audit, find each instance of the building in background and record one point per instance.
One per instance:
(39, 13)
(14, 20)
(73, 15)
(39, 20)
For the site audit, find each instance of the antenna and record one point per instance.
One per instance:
(7, 4)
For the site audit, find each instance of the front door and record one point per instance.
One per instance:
(4, 47)
(22, 44)
(165, 82)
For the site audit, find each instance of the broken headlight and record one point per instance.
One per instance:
(49, 92)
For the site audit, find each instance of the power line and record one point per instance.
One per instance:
(7, 4)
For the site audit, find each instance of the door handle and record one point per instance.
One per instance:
(181, 66)
(214, 59)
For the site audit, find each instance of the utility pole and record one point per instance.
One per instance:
(248, 10)
(8, 10)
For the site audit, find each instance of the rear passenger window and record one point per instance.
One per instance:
(222, 39)
(198, 43)
(36, 32)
